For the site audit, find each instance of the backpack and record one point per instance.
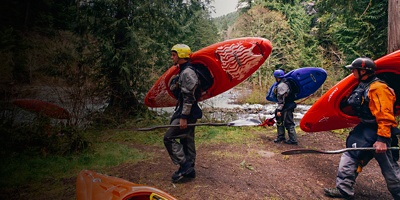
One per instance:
(391, 79)
(204, 75)
(294, 90)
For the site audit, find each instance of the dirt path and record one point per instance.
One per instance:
(256, 171)
(252, 170)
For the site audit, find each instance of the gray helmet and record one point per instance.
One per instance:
(363, 63)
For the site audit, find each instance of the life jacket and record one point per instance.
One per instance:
(359, 101)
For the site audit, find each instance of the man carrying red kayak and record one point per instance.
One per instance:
(185, 88)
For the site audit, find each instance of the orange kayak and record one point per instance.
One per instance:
(95, 186)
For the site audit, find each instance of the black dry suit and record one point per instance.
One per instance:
(186, 88)
(286, 106)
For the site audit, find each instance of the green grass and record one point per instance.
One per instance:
(226, 135)
(110, 147)
(22, 169)
(146, 138)
(342, 133)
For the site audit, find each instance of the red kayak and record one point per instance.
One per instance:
(43, 107)
(326, 114)
(229, 62)
(95, 186)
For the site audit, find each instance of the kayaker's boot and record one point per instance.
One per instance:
(335, 193)
(292, 136)
(281, 133)
(185, 169)
(191, 174)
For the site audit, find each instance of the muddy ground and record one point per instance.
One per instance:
(257, 171)
(253, 170)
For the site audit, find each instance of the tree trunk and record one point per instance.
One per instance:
(121, 99)
(393, 26)
(27, 14)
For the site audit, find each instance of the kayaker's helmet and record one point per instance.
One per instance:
(363, 63)
(182, 50)
(279, 73)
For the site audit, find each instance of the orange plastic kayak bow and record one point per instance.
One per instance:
(95, 186)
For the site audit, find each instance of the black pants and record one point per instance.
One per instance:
(286, 121)
(350, 162)
(185, 149)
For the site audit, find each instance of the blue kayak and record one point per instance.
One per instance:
(304, 81)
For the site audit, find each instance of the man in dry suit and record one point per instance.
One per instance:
(185, 88)
(285, 109)
(373, 102)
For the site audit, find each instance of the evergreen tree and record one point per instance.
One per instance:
(134, 39)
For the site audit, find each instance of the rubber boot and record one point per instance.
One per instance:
(184, 169)
(335, 193)
(281, 134)
(292, 136)
(191, 174)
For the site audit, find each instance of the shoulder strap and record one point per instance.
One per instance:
(292, 86)
(367, 85)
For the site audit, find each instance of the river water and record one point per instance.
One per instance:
(222, 108)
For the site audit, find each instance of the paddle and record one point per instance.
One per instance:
(239, 122)
(314, 151)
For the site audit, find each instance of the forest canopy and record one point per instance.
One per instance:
(116, 49)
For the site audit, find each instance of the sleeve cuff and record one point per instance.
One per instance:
(383, 139)
(184, 116)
